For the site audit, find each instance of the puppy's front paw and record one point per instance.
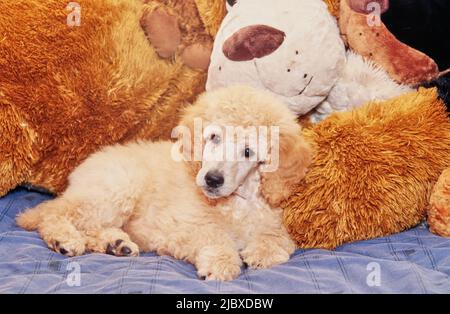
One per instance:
(122, 248)
(264, 255)
(73, 246)
(218, 263)
(113, 241)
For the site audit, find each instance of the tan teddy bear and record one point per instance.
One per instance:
(75, 78)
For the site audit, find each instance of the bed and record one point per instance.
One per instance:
(414, 261)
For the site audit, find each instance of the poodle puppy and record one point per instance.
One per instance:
(211, 198)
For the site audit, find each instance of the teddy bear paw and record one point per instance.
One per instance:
(163, 32)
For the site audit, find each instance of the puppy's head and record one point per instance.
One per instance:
(236, 131)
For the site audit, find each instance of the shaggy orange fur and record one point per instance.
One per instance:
(439, 212)
(65, 91)
(373, 172)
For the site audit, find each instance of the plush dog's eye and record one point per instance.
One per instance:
(248, 153)
(215, 138)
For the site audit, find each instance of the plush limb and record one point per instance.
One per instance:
(162, 29)
(197, 56)
(377, 43)
(16, 147)
(361, 81)
(364, 6)
(439, 210)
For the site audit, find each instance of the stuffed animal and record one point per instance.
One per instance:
(407, 38)
(293, 49)
(373, 172)
(79, 76)
(412, 52)
(375, 166)
(183, 27)
(439, 210)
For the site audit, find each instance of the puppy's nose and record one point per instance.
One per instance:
(214, 179)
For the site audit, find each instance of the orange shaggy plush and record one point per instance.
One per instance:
(439, 212)
(373, 173)
(67, 90)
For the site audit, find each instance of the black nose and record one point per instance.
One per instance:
(214, 179)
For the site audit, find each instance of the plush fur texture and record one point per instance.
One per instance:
(133, 197)
(361, 81)
(65, 91)
(373, 172)
(439, 212)
(177, 27)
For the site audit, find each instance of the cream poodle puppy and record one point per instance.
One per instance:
(187, 199)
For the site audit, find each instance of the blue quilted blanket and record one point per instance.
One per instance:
(410, 262)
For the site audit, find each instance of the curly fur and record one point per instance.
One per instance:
(136, 197)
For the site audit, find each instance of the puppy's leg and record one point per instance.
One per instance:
(268, 248)
(113, 241)
(211, 250)
(53, 221)
(218, 262)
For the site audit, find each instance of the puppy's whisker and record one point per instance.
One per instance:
(237, 194)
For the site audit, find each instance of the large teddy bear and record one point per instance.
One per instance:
(375, 164)
(76, 77)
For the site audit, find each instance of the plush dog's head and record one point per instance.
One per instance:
(236, 131)
(290, 48)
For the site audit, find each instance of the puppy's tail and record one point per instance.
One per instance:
(32, 218)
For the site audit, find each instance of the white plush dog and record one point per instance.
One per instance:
(293, 49)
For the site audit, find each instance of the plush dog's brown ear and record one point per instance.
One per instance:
(295, 155)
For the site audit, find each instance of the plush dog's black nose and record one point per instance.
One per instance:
(214, 179)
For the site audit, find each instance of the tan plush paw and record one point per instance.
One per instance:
(218, 263)
(439, 210)
(163, 32)
(264, 255)
(197, 56)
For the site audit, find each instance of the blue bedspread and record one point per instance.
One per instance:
(410, 262)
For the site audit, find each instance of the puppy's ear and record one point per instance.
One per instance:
(192, 142)
(294, 155)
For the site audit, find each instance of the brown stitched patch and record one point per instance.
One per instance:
(255, 41)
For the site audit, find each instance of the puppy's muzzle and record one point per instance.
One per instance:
(214, 179)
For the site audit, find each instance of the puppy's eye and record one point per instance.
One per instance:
(215, 138)
(248, 153)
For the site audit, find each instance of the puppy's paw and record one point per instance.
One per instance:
(72, 246)
(264, 255)
(122, 248)
(63, 238)
(218, 263)
(112, 241)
